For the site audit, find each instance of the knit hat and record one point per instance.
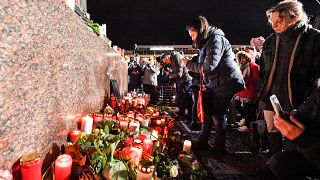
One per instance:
(246, 54)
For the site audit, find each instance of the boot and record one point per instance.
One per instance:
(254, 137)
(275, 142)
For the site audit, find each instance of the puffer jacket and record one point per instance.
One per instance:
(221, 73)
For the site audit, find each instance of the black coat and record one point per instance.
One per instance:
(306, 66)
(222, 75)
(308, 143)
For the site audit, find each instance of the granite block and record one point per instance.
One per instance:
(53, 69)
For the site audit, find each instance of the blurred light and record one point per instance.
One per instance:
(161, 48)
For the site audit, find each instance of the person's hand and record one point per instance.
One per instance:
(257, 42)
(184, 61)
(291, 130)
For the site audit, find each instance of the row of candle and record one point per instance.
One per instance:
(31, 168)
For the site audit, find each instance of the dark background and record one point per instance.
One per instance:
(163, 22)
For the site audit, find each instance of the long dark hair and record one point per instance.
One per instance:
(201, 25)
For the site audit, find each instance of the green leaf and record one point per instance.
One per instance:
(88, 143)
(119, 171)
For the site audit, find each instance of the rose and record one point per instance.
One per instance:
(174, 171)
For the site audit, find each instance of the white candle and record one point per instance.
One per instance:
(144, 122)
(154, 135)
(62, 167)
(187, 146)
(86, 125)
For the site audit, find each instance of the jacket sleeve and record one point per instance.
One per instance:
(177, 68)
(214, 51)
(155, 69)
(308, 143)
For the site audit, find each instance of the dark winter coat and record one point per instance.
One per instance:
(308, 143)
(221, 73)
(305, 69)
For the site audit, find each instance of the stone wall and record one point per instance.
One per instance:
(53, 69)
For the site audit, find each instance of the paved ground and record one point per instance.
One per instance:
(238, 163)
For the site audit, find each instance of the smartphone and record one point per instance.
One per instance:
(278, 109)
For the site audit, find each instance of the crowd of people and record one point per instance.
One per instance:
(285, 64)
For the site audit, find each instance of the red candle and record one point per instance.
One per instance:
(31, 167)
(135, 102)
(113, 102)
(79, 121)
(74, 135)
(147, 146)
(62, 167)
(97, 118)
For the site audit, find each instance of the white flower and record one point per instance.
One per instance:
(100, 143)
(174, 171)
(96, 131)
(103, 134)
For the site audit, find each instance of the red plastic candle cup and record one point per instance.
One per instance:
(147, 146)
(62, 167)
(31, 167)
(97, 118)
(74, 135)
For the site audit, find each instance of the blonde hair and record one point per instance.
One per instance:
(293, 8)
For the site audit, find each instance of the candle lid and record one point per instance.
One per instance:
(138, 141)
(29, 157)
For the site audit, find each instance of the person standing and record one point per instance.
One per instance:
(135, 74)
(150, 82)
(222, 79)
(290, 63)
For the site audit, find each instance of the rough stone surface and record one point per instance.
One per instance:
(53, 69)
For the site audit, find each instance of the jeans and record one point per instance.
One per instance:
(184, 97)
(215, 107)
(247, 110)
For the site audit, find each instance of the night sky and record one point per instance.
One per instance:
(163, 22)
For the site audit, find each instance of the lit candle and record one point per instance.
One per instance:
(144, 122)
(187, 146)
(147, 146)
(97, 118)
(86, 124)
(163, 121)
(135, 102)
(108, 116)
(158, 122)
(154, 135)
(74, 135)
(62, 167)
(123, 124)
(31, 167)
(130, 114)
